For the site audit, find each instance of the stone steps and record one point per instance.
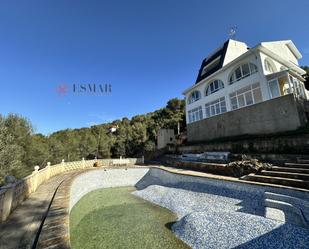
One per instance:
(297, 183)
(291, 214)
(303, 161)
(288, 169)
(287, 208)
(291, 175)
(297, 165)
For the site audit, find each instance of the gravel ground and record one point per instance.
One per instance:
(209, 219)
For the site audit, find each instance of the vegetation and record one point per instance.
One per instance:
(306, 68)
(21, 149)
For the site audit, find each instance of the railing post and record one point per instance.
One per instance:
(48, 170)
(35, 177)
(62, 165)
(83, 163)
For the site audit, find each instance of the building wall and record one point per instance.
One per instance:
(165, 136)
(224, 77)
(275, 115)
(280, 48)
(234, 50)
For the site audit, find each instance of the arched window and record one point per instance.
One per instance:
(242, 71)
(194, 96)
(213, 87)
(269, 66)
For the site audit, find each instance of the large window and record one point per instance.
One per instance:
(213, 87)
(211, 65)
(246, 96)
(194, 96)
(274, 88)
(242, 71)
(215, 107)
(195, 114)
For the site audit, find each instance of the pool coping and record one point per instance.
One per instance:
(55, 232)
(221, 177)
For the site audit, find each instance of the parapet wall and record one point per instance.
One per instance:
(14, 194)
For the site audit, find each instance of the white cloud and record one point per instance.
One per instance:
(91, 123)
(100, 118)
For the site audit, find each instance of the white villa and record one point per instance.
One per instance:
(235, 76)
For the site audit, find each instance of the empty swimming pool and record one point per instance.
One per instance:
(208, 213)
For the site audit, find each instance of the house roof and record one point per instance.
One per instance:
(200, 80)
(214, 61)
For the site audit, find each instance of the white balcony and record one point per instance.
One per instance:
(286, 82)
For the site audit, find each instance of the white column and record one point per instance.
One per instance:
(290, 84)
(83, 163)
(62, 165)
(48, 170)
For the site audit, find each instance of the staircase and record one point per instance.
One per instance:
(290, 174)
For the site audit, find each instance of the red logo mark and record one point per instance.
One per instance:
(62, 89)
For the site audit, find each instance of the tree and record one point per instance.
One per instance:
(149, 146)
(56, 150)
(20, 149)
(306, 76)
(11, 154)
(37, 151)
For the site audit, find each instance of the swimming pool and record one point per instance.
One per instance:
(212, 213)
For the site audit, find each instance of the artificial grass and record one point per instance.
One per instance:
(114, 218)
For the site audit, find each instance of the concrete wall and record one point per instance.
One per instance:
(295, 144)
(165, 136)
(272, 116)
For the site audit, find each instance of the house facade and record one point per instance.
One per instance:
(235, 78)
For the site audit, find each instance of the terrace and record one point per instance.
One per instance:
(199, 209)
(286, 82)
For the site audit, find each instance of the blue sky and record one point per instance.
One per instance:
(149, 51)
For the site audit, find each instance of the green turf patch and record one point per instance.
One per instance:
(114, 218)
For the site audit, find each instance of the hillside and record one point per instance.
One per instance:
(21, 149)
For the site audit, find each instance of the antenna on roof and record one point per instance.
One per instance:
(232, 32)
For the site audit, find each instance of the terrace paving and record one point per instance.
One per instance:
(20, 230)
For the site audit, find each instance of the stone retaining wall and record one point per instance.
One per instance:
(287, 144)
(13, 194)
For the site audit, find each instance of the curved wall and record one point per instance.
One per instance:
(143, 177)
(104, 178)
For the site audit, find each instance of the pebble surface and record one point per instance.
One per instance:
(210, 220)
(211, 213)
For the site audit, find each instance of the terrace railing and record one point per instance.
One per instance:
(12, 195)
